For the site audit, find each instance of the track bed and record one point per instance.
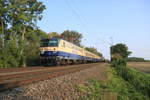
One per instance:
(11, 78)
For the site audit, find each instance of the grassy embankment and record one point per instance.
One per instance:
(123, 84)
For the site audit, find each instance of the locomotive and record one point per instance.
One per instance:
(57, 51)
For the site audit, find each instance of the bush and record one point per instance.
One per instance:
(118, 63)
(139, 80)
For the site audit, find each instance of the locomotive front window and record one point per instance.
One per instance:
(50, 43)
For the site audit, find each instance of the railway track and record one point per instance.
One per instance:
(7, 70)
(11, 78)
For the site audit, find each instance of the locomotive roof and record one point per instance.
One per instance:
(50, 39)
(58, 38)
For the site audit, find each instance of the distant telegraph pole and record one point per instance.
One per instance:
(111, 44)
(111, 41)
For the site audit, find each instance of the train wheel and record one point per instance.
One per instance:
(56, 63)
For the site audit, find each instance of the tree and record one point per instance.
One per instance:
(17, 21)
(53, 34)
(119, 51)
(32, 49)
(72, 36)
(24, 14)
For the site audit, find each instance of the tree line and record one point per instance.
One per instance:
(19, 35)
(136, 59)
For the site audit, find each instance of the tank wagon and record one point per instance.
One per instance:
(56, 51)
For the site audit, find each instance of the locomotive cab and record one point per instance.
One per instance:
(49, 50)
(50, 42)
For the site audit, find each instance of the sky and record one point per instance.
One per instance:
(102, 22)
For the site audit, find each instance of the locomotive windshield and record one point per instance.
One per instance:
(49, 43)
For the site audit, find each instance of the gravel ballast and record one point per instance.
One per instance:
(59, 88)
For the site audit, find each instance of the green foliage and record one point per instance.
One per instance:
(9, 55)
(53, 34)
(17, 25)
(72, 36)
(124, 89)
(120, 62)
(139, 80)
(92, 91)
(136, 59)
(32, 50)
(119, 51)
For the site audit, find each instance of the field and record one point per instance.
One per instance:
(142, 66)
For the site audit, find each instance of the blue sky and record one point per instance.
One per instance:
(101, 21)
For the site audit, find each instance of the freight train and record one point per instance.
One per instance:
(57, 51)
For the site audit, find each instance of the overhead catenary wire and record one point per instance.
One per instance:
(77, 14)
(74, 11)
(80, 14)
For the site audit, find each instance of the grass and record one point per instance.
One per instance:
(124, 89)
(137, 79)
(92, 91)
(115, 88)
